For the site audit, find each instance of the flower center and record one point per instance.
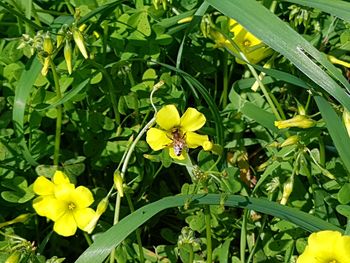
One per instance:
(71, 206)
(178, 141)
(247, 43)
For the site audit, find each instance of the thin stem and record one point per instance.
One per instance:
(243, 239)
(70, 7)
(87, 238)
(208, 232)
(110, 90)
(191, 254)
(56, 155)
(225, 81)
(138, 232)
(127, 158)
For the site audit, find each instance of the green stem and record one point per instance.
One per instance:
(138, 232)
(208, 232)
(110, 90)
(56, 155)
(322, 150)
(243, 239)
(87, 238)
(225, 81)
(191, 254)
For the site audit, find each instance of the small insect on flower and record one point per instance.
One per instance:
(179, 143)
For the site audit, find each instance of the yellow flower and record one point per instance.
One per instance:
(177, 134)
(45, 189)
(326, 247)
(61, 202)
(252, 47)
(299, 121)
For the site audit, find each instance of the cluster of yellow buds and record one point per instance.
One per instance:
(43, 44)
(242, 43)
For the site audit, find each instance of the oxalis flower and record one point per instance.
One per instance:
(64, 204)
(326, 247)
(177, 133)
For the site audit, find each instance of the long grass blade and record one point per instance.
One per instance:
(107, 241)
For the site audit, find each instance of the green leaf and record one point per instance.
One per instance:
(22, 95)
(344, 194)
(107, 241)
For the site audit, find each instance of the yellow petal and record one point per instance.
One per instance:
(157, 139)
(194, 140)
(83, 217)
(64, 191)
(82, 197)
(60, 178)
(65, 225)
(168, 117)
(56, 209)
(192, 120)
(43, 186)
(41, 204)
(172, 154)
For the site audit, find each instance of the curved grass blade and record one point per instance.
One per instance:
(336, 130)
(337, 8)
(107, 241)
(275, 33)
(69, 95)
(107, 7)
(22, 94)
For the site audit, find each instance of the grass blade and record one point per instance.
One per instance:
(107, 241)
(23, 89)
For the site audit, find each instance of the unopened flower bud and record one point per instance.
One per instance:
(79, 40)
(299, 121)
(68, 56)
(287, 190)
(45, 68)
(118, 183)
(346, 120)
(14, 257)
(82, 27)
(294, 139)
(47, 45)
(185, 20)
(102, 206)
(59, 38)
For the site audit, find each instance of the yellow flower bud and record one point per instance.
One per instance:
(294, 139)
(185, 20)
(102, 206)
(118, 183)
(45, 68)
(346, 120)
(60, 37)
(68, 56)
(334, 60)
(82, 27)
(47, 45)
(79, 40)
(14, 257)
(299, 121)
(287, 190)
